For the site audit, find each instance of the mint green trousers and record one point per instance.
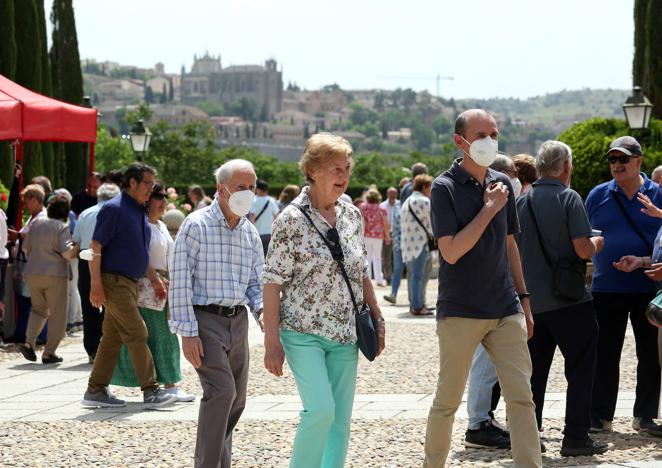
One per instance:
(325, 373)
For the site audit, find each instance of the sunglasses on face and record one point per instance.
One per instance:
(158, 196)
(621, 159)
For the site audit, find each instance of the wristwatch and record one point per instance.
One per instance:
(524, 295)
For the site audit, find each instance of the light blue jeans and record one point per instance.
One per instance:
(482, 378)
(325, 374)
(398, 269)
(416, 278)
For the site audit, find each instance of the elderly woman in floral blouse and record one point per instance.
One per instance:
(313, 323)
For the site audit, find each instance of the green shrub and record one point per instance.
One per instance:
(590, 140)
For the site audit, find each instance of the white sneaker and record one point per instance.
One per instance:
(181, 396)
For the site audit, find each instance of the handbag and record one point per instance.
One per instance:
(569, 274)
(654, 310)
(432, 242)
(366, 334)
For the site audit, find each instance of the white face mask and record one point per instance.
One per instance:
(517, 186)
(483, 151)
(241, 202)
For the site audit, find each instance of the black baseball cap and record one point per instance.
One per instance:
(626, 145)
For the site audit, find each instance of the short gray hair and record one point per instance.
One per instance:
(224, 173)
(656, 171)
(107, 191)
(551, 156)
(503, 163)
(63, 192)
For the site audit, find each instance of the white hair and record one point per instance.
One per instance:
(224, 173)
(63, 192)
(107, 191)
(551, 157)
(656, 171)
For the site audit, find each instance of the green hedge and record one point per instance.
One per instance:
(590, 140)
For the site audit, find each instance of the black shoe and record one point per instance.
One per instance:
(52, 359)
(582, 447)
(27, 352)
(600, 425)
(487, 436)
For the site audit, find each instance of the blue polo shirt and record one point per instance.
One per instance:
(620, 238)
(124, 235)
(479, 285)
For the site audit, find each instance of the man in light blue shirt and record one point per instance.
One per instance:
(92, 317)
(215, 276)
(263, 212)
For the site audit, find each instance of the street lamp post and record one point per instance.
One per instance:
(140, 137)
(637, 109)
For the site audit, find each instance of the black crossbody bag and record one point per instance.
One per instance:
(432, 242)
(365, 325)
(569, 273)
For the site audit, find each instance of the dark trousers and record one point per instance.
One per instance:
(265, 238)
(224, 378)
(387, 261)
(612, 311)
(92, 317)
(574, 330)
(23, 309)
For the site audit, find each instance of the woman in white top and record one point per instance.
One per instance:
(161, 342)
(4, 256)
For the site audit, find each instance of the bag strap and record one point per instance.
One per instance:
(264, 208)
(646, 242)
(545, 253)
(340, 262)
(419, 222)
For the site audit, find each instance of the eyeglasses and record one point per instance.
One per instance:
(621, 159)
(333, 239)
(158, 196)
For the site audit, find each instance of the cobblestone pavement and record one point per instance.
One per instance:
(43, 424)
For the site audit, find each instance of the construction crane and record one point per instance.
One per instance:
(437, 79)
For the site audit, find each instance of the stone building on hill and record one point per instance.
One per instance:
(209, 81)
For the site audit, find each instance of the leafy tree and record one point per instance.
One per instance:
(171, 90)
(590, 140)
(68, 84)
(245, 108)
(111, 152)
(442, 125)
(653, 56)
(362, 115)
(212, 108)
(7, 69)
(639, 61)
(28, 70)
(423, 136)
(143, 111)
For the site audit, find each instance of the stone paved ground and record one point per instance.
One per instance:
(42, 423)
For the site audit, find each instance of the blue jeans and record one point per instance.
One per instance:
(398, 269)
(416, 279)
(482, 378)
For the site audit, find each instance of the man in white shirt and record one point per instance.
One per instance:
(391, 205)
(263, 212)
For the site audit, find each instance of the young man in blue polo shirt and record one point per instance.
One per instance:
(474, 218)
(614, 209)
(121, 256)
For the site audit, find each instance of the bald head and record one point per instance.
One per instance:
(471, 118)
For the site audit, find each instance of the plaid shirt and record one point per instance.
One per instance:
(213, 264)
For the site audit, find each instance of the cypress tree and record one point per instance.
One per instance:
(653, 56)
(47, 90)
(68, 84)
(28, 70)
(639, 61)
(8, 70)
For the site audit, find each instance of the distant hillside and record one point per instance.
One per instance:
(556, 111)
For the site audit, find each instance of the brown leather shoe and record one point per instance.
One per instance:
(420, 312)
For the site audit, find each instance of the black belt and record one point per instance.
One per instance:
(135, 280)
(223, 311)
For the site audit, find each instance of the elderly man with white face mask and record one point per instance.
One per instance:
(214, 278)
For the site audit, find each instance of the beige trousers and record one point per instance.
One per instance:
(505, 342)
(50, 297)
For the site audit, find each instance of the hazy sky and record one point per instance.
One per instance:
(492, 48)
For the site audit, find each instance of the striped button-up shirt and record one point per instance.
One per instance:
(213, 264)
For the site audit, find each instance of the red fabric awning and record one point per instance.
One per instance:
(29, 116)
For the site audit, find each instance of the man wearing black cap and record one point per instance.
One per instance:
(614, 208)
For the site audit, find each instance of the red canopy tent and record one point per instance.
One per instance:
(29, 116)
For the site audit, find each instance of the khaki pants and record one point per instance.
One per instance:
(50, 296)
(505, 342)
(122, 324)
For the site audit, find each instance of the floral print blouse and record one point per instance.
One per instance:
(315, 298)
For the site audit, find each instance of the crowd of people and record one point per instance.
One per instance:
(512, 238)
